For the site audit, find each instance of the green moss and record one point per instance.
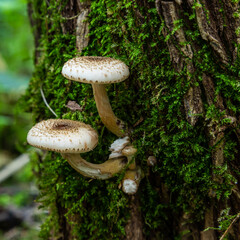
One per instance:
(154, 93)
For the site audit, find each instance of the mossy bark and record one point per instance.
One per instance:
(181, 103)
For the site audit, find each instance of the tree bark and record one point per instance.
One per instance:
(181, 31)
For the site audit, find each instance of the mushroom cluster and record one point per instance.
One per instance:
(71, 138)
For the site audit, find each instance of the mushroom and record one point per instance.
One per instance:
(99, 71)
(71, 138)
(129, 152)
(117, 147)
(151, 161)
(133, 175)
(131, 180)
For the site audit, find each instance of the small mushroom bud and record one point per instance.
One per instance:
(131, 181)
(151, 161)
(129, 152)
(117, 147)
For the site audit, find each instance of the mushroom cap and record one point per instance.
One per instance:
(61, 135)
(117, 147)
(129, 151)
(99, 70)
(151, 161)
(129, 186)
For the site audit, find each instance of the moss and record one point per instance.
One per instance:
(151, 101)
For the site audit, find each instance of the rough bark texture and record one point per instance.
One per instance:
(181, 55)
(134, 226)
(177, 96)
(221, 39)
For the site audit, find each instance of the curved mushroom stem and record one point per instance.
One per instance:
(131, 181)
(112, 123)
(99, 171)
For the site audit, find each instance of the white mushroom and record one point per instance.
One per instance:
(117, 147)
(131, 181)
(99, 71)
(134, 174)
(71, 138)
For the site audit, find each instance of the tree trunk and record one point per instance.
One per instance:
(181, 103)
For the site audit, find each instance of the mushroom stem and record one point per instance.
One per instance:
(99, 171)
(112, 123)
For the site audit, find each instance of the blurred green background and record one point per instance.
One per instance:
(18, 191)
(16, 66)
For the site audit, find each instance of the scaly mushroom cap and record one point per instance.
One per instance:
(100, 70)
(61, 135)
(117, 147)
(129, 186)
